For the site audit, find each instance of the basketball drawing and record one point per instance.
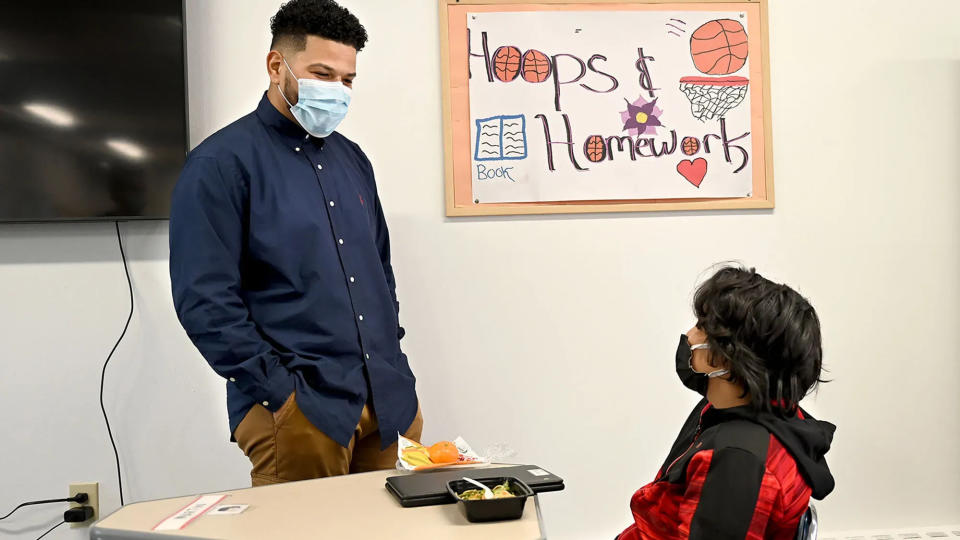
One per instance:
(719, 47)
(690, 145)
(595, 148)
(536, 66)
(506, 63)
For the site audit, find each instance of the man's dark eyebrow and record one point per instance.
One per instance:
(324, 66)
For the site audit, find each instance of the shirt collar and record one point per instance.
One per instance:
(712, 415)
(290, 131)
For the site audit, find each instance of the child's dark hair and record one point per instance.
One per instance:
(323, 18)
(768, 334)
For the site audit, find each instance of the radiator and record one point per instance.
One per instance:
(912, 533)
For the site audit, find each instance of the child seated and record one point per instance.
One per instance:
(748, 457)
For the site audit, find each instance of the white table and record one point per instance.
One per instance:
(341, 508)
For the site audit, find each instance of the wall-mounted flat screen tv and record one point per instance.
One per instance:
(93, 113)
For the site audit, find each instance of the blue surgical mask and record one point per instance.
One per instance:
(321, 105)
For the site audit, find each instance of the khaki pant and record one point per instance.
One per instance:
(284, 446)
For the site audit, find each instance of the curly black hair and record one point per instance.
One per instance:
(768, 334)
(324, 18)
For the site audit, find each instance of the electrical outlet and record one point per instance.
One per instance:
(92, 489)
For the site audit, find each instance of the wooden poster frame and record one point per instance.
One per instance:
(459, 197)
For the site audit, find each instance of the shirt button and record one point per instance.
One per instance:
(232, 379)
(340, 241)
(352, 279)
(360, 317)
(319, 166)
(297, 149)
(266, 403)
(332, 203)
(367, 355)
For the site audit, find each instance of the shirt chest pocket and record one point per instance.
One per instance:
(359, 216)
(299, 221)
(351, 209)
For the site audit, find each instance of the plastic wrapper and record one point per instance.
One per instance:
(413, 456)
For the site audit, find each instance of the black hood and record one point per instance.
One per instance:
(806, 438)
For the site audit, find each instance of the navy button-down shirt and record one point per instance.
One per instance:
(280, 266)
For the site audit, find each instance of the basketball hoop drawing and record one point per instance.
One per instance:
(712, 97)
(718, 47)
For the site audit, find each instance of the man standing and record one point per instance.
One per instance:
(280, 266)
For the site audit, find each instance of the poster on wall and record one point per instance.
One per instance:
(600, 105)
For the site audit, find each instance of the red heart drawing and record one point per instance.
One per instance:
(693, 171)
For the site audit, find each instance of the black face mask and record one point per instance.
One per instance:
(693, 380)
(690, 378)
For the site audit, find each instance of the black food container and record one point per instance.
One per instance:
(492, 509)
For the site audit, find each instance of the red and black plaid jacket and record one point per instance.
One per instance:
(735, 474)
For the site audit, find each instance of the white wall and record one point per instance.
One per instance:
(568, 324)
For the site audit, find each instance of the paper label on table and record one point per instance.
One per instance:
(228, 509)
(187, 514)
(538, 472)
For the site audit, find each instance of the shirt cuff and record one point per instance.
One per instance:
(272, 395)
